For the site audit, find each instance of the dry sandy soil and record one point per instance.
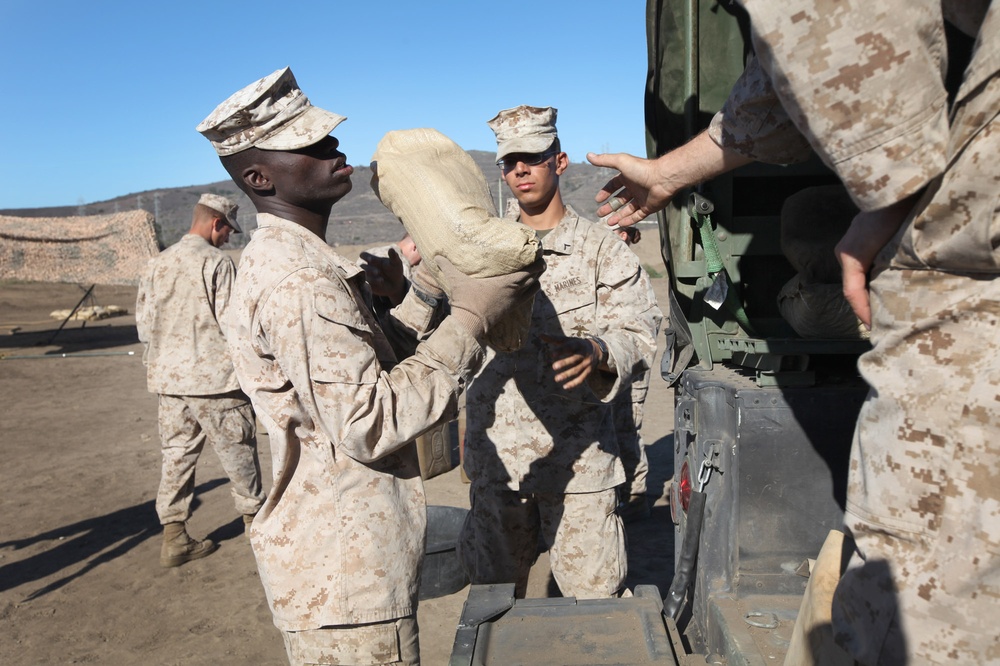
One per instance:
(80, 580)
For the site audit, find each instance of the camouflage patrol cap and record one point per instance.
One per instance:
(224, 207)
(270, 114)
(524, 129)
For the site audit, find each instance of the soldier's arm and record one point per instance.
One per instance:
(142, 307)
(627, 318)
(225, 275)
(419, 313)
(327, 349)
(649, 185)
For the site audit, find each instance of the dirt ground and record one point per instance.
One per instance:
(80, 580)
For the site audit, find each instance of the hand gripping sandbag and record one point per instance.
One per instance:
(441, 196)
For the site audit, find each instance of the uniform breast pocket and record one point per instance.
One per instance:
(574, 312)
(342, 351)
(567, 313)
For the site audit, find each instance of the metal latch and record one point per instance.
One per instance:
(704, 474)
(710, 463)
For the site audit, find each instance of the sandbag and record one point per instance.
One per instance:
(442, 198)
(819, 310)
(813, 220)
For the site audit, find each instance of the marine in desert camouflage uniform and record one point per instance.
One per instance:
(540, 444)
(863, 84)
(340, 539)
(181, 317)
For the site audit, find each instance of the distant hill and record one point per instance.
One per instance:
(357, 219)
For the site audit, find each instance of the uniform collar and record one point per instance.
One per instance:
(194, 238)
(311, 240)
(562, 237)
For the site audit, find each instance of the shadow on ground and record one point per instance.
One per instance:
(91, 542)
(72, 339)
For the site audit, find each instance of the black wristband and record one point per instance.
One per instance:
(604, 350)
(424, 296)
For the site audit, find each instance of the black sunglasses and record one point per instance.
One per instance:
(528, 159)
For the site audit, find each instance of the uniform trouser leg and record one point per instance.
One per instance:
(923, 501)
(499, 539)
(381, 643)
(185, 424)
(586, 542)
(229, 424)
(181, 442)
(632, 450)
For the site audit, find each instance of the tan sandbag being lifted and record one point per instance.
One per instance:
(442, 198)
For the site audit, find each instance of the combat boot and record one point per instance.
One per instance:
(179, 548)
(247, 523)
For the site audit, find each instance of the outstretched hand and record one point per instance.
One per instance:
(634, 194)
(574, 359)
(643, 187)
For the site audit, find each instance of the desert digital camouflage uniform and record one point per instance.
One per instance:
(181, 311)
(340, 539)
(863, 83)
(628, 408)
(385, 643)
(529, 440)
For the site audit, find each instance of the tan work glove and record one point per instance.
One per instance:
(479, 303)
(425, 282)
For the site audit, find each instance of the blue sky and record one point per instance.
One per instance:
(101, 98)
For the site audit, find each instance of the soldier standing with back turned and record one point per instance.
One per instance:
(180, 316)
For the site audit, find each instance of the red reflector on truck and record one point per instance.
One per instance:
(685, 486)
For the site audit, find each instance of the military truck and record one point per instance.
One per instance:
(764, 414)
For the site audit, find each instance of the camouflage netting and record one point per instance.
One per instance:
(93, 249)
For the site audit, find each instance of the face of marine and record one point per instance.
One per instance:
(534, 178)
(315, 174)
